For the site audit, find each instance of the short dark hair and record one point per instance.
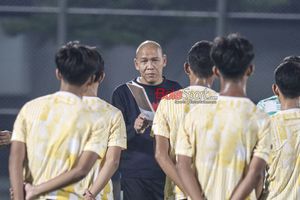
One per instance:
(292, 59)
(199, 59)
(232, 55)
(287, 78)
(100, 69)
(77, 62)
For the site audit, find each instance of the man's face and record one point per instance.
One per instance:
(150, 63)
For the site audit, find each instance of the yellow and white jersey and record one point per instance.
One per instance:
(56, 129)
(170, 113)
(112, 119)
(284, 167)
(221, 139)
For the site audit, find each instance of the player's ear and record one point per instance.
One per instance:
(101, 78)
(186, 68)
(136, 64)
(216, 71)
(165, 60)
(58, 75)
(250, 70)
(275, 89)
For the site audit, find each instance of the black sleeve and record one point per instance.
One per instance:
(119, 101)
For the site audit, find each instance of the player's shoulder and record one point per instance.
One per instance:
(201, 90)
(172, 95)
(38, 101)
(272, 99)
(260, 117)
(254, 112)
(100, 106)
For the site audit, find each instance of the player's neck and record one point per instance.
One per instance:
(92, 91)
(200, 82)
(90, 94)
(234, 88)
(72, 89)
(287, 104)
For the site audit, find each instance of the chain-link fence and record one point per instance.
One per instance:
(32, 30)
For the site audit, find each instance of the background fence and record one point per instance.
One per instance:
(32, 30)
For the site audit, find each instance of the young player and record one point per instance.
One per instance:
(114, 140)
(227, 142)
(284, 168)
(271, 105)
(54, 134)
(173, 108)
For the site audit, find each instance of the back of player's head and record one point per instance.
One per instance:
(292, 59)
(77, 63)
(100, 70)
(287, 78)
(232, 55)
(199, 59)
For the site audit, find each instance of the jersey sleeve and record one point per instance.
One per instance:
(185, 138)
(19, 130)
(263, 146)
(117, 136)
(160, 123)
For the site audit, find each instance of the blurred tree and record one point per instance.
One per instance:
(108, 29)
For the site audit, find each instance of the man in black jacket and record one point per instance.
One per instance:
(142, 178)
